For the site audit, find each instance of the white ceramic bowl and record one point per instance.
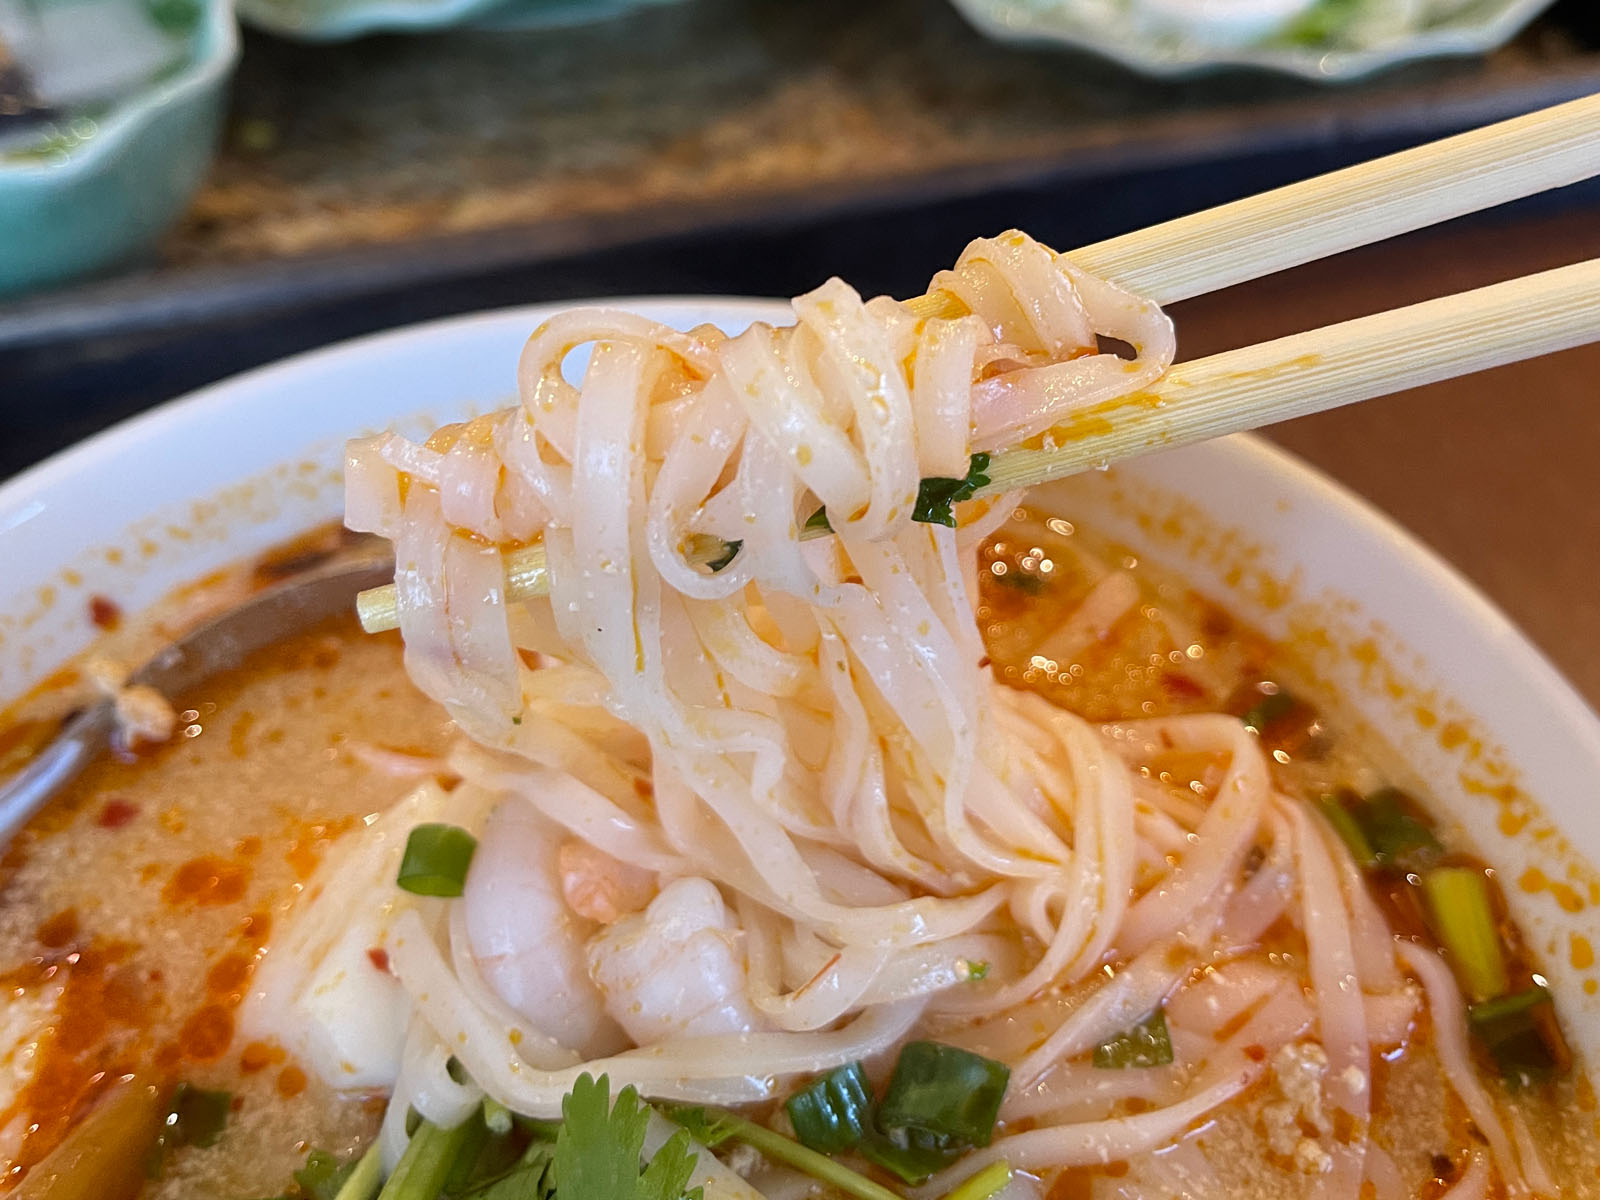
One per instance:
(1390, 632)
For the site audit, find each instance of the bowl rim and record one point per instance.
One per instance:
(213, 54)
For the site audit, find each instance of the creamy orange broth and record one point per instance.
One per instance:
(134, 910)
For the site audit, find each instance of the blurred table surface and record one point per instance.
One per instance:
(1496, 471)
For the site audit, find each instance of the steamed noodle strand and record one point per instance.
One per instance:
(806, 742)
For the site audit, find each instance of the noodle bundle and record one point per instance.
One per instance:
(890, 838)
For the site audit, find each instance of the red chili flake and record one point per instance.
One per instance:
(105, 612)
(379, 958)
(116, 814)
(1255, 1053)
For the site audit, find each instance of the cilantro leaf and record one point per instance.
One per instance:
(530, 1179)
(937, 495)
(598, 1149)
(709, 1128)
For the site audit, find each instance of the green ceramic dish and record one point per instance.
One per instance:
(337, 20)
(94, 190)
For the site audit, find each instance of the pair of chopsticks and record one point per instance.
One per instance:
(1305, 372)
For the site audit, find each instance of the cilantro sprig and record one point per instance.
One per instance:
(599, 1145)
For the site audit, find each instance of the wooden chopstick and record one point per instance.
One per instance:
(1253, 386)
(1343, 209)
(1271, 232)
(1321, 369)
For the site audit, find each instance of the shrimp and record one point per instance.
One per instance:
(676, 968)
(525, 939)
(600, 887)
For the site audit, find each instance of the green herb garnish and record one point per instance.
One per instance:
(832, 1113)
(910, 1155)
(1348, 827)
(194, 1117)
(431, 1158)
(1147, 1044)
(937, 496)
(599, 1145)
(436, 860)
(818, 520)
(1462, 915)
(984, 1184)
(713, 1127)
(1491, 1012)
(943, 1092)
(1398, 839)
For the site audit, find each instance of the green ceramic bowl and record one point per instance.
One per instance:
(94, 190)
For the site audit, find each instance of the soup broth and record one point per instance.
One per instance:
(134, 910)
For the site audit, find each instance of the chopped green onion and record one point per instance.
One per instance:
(819, 520)
(712, 1127)
(1491, 1011)
(194, 1117)
(937, 496)
(1397, 837)
(1519, 1032)
(436, 860)
(1523, 1056)
(1147, 1044)
(977, 970)
(1349, 829)
(832, 1113)
(984, 1184)
(911, 1155)
(429, 1160)
(1464, 922)
(945, 1092)
(1268, 709)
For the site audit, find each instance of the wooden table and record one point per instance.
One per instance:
(1499, 472)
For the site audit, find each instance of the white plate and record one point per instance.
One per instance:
(1478, 713)
(1104, 28)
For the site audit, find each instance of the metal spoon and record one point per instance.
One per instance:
(266, 617)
